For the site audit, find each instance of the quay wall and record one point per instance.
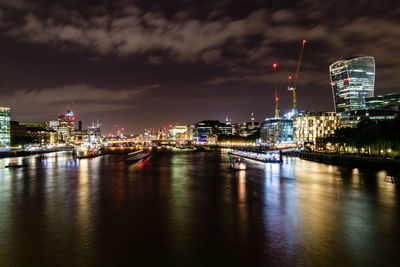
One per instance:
(350, 160)
(23, 153)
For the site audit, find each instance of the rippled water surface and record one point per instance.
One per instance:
(180, 208)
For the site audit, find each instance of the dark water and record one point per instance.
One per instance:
(189, 209)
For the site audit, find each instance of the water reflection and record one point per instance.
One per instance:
(181, 208)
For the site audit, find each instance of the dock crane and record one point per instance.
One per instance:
(293, 83)
(274, 66)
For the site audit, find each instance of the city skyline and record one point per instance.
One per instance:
(143, 64)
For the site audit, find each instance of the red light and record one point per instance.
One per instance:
(277, 99)
(304, 41)
(170, 126)
(274, 65)
(290, 77)
(123, 129)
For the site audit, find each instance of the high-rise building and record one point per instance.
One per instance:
(352, 80)
(65, 126)
(5, 136)
(309, 129)
(276, 131)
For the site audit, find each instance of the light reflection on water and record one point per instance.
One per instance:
(181, 208)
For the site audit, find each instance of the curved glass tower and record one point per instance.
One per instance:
(352, 81)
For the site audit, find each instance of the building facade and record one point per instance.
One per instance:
(211, 129)
(276, 131)
(353, 117)
(178, 132)
(388, 101)
(5, 130)
(352, 81)
(40, 133)
(309, 129)
(64, 126)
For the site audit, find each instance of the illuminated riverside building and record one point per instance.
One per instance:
(353, 117)
(388, 101)
(64, 126)
(40, 133)
(276, 131)
(310, 128)
(206, 130)
(178, 132)
(352, 81)
(5, 136)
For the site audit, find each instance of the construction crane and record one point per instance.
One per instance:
(274, 66)
(293, 83)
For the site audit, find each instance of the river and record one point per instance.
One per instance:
(181, 208)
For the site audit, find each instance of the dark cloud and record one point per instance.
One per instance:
(215, 45)
(89, 98)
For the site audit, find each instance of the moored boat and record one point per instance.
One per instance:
(93, 146)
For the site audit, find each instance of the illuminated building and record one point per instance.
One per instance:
(389, 101)
(310, 128)
(191, 133)
(40, 133)
(276, 131)
(177, 132)
(65, 126)
(5, 130)
(352, 81)
(210, 129)
(353, 117)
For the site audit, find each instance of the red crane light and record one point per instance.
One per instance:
(304, 41)
(274, 65)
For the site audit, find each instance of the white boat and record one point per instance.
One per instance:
(238, 163)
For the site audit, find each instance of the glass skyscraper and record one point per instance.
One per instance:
(352, 81)
(4, 127)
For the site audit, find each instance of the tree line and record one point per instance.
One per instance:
(369, 137)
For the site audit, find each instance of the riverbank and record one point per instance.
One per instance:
(23, 153)
(350, 160)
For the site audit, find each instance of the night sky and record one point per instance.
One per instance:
(142, 64)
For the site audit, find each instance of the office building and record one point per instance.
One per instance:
(310, 128)
(40, 133)
(276, 131)
(211, 129)
(64, 126)
(353, 117)
(388, 101)
(178, 132)
(352, 81)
